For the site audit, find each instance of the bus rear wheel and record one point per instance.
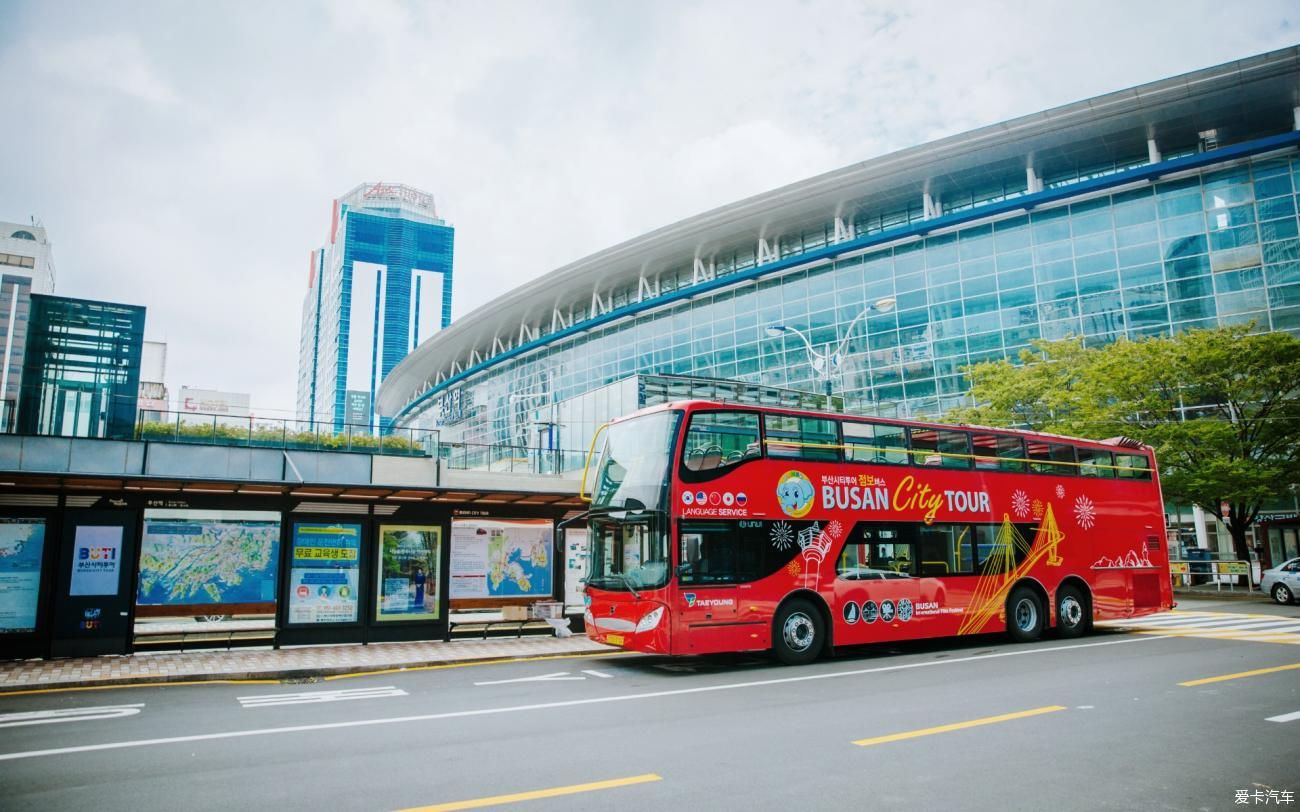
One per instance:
(798, 633)
(1072, 616)
(1024, 615)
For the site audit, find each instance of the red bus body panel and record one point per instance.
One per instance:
(1108, 533)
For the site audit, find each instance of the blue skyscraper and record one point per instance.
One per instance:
(376, 290)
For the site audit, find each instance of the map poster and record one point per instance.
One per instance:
(190, 557)
(502, 558)
(22, 543)
(408, 572)
(323, 574)
(96, 560)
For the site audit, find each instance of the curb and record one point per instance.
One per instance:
(282, 675)
(1238, 595)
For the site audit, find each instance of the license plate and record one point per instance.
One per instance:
(614, 639)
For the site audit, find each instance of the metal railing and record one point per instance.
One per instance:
(509, 458)
(1202, 571)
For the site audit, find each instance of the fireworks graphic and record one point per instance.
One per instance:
(1037, 508)
(1020, 504)
(782, 535)
(1060, 491)
(1085, 513)
(794, 568)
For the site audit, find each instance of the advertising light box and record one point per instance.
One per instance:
(324, 574)
(408, 572)
(190, 557)
(502, 558)
(22, 544)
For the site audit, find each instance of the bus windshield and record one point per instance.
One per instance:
(628, 556)
(633, 470)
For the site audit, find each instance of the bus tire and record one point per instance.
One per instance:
(798, 633)
(1024, 615)
(1073, 618)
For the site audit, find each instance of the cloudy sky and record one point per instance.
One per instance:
(183, 155)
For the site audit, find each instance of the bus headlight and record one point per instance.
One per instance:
(650, 620)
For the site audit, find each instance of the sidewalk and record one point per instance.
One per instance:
(278, 664)
(1211, 592)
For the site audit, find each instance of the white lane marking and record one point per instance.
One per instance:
(595, 673)
(311, 697)
(558, 676)
(569, 703)
(51, 717)
(1286, 717)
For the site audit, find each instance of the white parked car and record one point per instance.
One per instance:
(1283, 581)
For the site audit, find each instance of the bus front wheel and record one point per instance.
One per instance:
(1024, 615)
(798, 633)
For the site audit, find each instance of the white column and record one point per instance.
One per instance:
(1032, 181)
(1153, 151)
(1198, 521)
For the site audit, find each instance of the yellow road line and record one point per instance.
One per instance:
(471, 663)
(554, 792)
(929, 731)
(70, 688)
(1227, 634)
(1239, 675)
(164, 684)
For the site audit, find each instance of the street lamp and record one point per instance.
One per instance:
(825, 363)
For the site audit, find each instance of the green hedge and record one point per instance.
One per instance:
(272, 438)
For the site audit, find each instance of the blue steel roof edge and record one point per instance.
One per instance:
(1025, 202)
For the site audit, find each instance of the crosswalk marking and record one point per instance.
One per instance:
(1286, 717)
(1215, 626)
(311, 697)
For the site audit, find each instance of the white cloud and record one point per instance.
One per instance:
(184, 156)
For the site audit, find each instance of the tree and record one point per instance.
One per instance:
(1221, 408)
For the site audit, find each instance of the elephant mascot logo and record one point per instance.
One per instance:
(795, 493)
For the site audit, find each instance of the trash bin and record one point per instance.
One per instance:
(1200, 564)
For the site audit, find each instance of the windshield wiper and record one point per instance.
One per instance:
(627, 582)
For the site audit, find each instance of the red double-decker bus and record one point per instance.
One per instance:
(719, 527)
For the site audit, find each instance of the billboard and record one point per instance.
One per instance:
(323, 575)
(22, 544)
(502, 558)
(210, 401)
(96, 560)
(190, 557)
(408, 572)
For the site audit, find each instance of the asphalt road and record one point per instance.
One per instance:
(1106, 722)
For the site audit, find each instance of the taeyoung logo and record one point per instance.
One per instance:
(795, 494)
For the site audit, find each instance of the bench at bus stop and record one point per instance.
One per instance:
(488, 622)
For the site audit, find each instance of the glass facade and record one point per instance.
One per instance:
(1216, 246)
(81, 369)
(381, 287)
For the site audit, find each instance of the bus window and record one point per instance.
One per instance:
(1051, 458)
(1096, 463)
(1132, 466)
(998, 452)
(801, 438)
(877, 551)
(943, 448)
(876, 443)
(999, 550)
(720, 439)
(732, 552)
(946, 550)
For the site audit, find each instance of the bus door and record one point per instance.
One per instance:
(709, 591)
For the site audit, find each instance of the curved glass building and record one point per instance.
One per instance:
(1148, 211)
